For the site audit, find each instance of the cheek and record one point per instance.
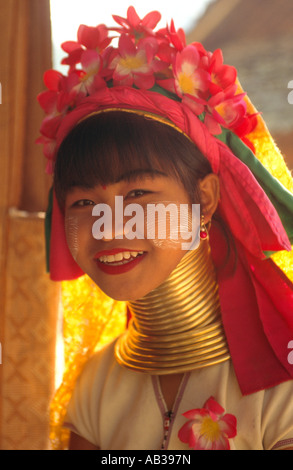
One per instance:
(78, 232)
(173, 226)
(72, 235)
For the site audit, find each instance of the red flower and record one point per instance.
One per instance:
(90, 78)
(135, 64)
(134, 26)
(170, 42)
(88, 37)
(64, 93)
(190, 78)
(208, 428)
(225, 108)
(222, 76)
(177, 38)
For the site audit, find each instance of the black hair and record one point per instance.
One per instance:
(103, 147)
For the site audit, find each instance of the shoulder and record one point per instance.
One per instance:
(84, 405)
(277, 415)
(98, 366)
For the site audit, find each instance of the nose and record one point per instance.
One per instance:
(118, 223)
(110, 222)
(102, 228)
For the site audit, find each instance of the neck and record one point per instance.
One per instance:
(177, 327)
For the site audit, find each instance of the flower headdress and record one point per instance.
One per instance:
(156, 73)
(147, 60)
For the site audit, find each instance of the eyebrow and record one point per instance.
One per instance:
(135, 174)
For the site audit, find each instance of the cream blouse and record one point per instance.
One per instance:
(118, 409)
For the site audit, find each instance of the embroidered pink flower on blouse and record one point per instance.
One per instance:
(208, 428)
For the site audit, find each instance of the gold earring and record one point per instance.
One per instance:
(203, 233)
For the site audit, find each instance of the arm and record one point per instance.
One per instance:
(77, 442)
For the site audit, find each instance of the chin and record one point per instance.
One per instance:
(122, 294)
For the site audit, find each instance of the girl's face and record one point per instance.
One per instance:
(125, 268)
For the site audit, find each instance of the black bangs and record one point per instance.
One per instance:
(104, 147)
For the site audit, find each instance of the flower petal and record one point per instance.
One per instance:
(185, 431)
(52, 79)
(151, 19)
(126, 46)
(228, 425)
(212, 405)
(91, 61)
(144, 81)
(132, 17)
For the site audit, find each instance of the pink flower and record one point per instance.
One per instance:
(170, 42)
(90, 78)
(222, 76)
(177, 38)
(94, 38)
(208, 428)
(225, 108)
(62, 94)
(190, 78)
(136, 27)
(135, 65)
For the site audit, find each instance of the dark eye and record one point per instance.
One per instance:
(83, 203)
(135, 193)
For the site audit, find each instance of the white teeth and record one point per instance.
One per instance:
(125, 255)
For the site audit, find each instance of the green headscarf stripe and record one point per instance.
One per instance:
(280, 197)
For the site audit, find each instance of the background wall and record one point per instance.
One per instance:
(28, 300)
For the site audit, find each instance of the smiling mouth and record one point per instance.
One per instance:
(119, 259)
(119, 262)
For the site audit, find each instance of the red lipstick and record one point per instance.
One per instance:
(127, 265)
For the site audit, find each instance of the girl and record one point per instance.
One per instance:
(203, 362)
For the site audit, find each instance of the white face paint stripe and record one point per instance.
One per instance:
(71, 230)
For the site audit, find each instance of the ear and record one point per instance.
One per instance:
(209, 195)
